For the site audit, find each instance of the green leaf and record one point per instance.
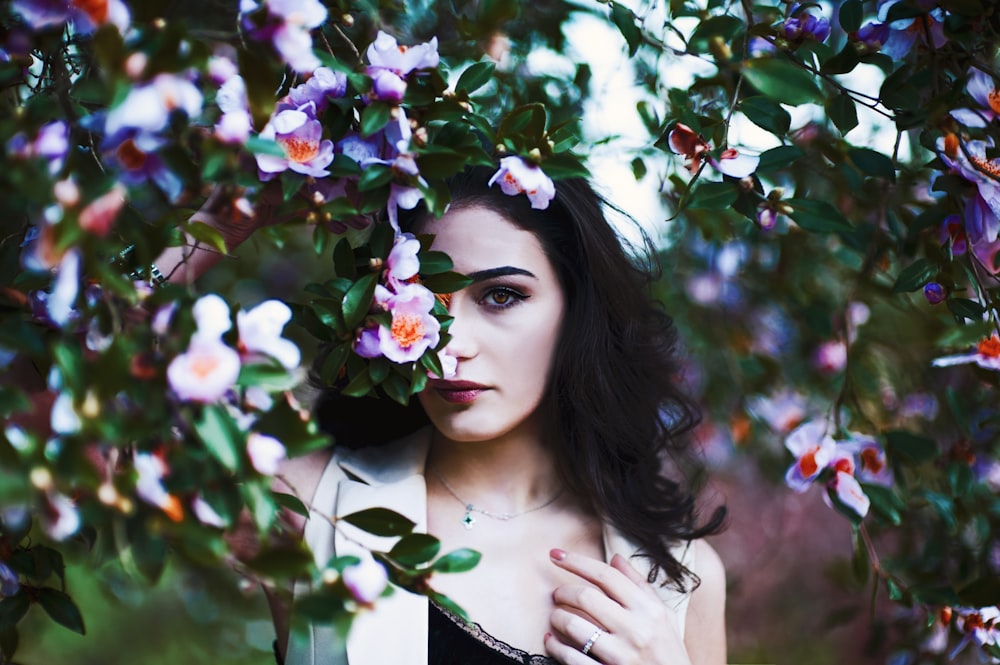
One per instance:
(12, 609)
(885, 503)
(281, 562)
(343, 166)
(873, 163)
(434, 263)
(380, 522)
(270, 376)
(818, 216)
(843, 112)
(358, 300)
(415, 548)
(374, 176)
(204, 233)
(911, 448)
(62, 609)
(914, 276)
(343, 259)
(397, 388)
(851, 13)
(626, 22)
(966, 309)
(725, 26)
(713, 196)
(446, 282)
(219, 433)
(374, 117)
(766, 114)
(458, 561)
(782, 81)
(292, 503)
(261, 502)
(475, 76)
(9, 640)
(778, 158)
(334, 361)
(259, 146)
(359, 385)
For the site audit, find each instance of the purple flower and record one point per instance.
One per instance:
(86, 16)
(365, 580)
(983, 89)
(873, 35)
(952, 232)
(806, 26)
(287, 27)
(300, 136)
(9, 582)
(935, 293)
(402, 263)
(905, 34)
(390, 64)
(147, 108)
(137, 158)
(51, 143)
(518, 176)
(412, 331)
(813, 449)
(324, 85)
(982, 211)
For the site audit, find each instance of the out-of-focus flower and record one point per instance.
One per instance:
(63, 418)
(971, 161)
(782, 411)
(65, 289)
(978, 625)
(324, 85)
(10, 584)
(873, 35)
(920, 405)
(211, 315)
(983, 89)
(235, 123)
(759, 46)
(830, 357)
(100, 214)
(206, 514)
(51, 143)
(412, 331)
(390, 63)
(846, 490)
(138, 161)
(987, 253)
(60, 519)
(288, 29)
(952, 233)
(804, 26)
(260, 332)
(205, 372)
(365, 580)
(935, 293)
(685, 141)
(518, 176)
(986, 355)
(85, 15)
(147, 108)
(300, 136)
(265, 453)
(813, 449)
(150, 470)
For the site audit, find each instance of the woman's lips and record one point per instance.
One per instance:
(458, 392)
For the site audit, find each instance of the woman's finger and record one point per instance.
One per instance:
(611, 581)
(585, 636)
(592, 604)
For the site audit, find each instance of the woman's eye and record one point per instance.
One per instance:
(502, 298)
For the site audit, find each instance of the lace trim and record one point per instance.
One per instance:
(476, 631)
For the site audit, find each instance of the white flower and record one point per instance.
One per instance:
(149, 485)
(62, 519)
(366, 580)
(64, 419)
(206, 514)
(849, 493)
(65, 289)
(265, 453)
(147, 108)
(260, 332)
(517, 176)
(211, 314)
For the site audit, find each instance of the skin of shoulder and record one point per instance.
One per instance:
(705, 628)
(300, 476)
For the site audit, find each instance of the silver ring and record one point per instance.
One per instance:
(590, 643)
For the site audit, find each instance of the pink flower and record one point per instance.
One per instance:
(813, 449)
(235, 124)
(782, 411)
(971, 161)
(845, 490)
(86, 16)
(391, 63)
(365, 580)
(324, 85)
(147, 108)
(412, 331)
(830, 357)
(205, 372)
(685, 141)
(517, 176)
(983, 89)
(402, 263)
(288, 29)
(51, 143)
(265, 453)
(100, 214)
(986, 355)
(300, 137)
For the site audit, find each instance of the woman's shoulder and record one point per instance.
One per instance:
(300, 476)
(704, 632)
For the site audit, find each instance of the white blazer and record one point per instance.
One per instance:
(395, 631)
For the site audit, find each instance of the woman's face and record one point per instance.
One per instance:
(505, 332)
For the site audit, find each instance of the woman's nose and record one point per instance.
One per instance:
(462, 343)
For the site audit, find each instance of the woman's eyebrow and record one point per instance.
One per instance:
(503, 271)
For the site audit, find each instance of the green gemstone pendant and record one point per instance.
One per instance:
(468, 520)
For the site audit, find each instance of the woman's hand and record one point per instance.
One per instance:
(613, 613)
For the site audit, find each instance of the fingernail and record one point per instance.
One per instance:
(557, 554)
(547, 636)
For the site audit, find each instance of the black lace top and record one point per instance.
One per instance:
(451, 641)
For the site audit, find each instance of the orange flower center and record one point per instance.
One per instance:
(951, 145)
(407, 329)
(986, 165)
(990, 347)
(97, 10)
(843, 465)
(870, 460)
(174, 509)
(203, 366)
(130, 155)
(994, 99)
(511, 180)
(807, 463)
(299, 150)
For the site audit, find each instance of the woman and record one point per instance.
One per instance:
(545, 452)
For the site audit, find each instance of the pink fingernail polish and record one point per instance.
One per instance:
(547, 636)
(557, 554)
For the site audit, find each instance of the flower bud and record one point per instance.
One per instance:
(41, 478)
(135, 65)
(347, 20)
(935, 293)
(366, 580)
(535, 155)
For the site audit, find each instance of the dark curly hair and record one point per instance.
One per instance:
(622, 416)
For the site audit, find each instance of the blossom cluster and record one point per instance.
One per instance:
(838, 463)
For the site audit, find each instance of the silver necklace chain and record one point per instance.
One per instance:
(469, 521)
